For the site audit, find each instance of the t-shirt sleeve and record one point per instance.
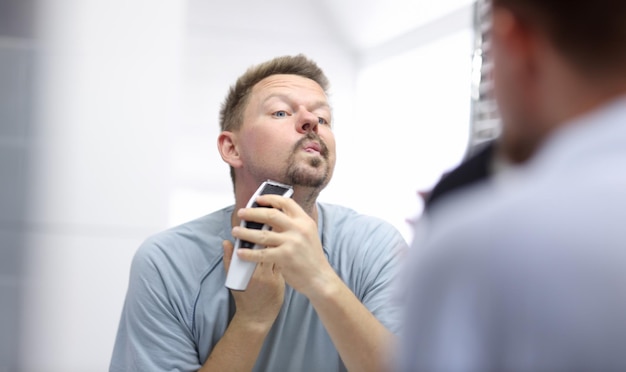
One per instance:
(386, 250)
(154, 333)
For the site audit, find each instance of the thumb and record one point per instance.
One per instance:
(228, 253)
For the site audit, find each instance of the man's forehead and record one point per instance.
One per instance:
(277, 85)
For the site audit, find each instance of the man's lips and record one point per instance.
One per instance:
(313, 147)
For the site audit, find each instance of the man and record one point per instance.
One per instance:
(529, 273)
(319, 299)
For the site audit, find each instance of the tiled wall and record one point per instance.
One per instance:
(17, 61)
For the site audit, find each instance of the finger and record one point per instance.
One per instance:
(265, 238)
(268, 267)
(267, 256)
(264, 268)
(228, 253)
(287, 205)
(268, 216)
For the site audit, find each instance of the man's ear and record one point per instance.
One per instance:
(517, 39)
(227, 146)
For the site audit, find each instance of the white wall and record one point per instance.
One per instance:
(125, 146)
(108, 92)
(411, 125)
(411, 121)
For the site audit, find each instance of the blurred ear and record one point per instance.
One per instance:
(517, 42)
(227, 146)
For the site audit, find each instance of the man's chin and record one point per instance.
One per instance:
(313, 183)
(308, 178)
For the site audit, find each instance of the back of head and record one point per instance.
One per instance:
(591, 35)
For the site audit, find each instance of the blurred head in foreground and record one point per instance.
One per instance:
(554, 60)
(529, 274)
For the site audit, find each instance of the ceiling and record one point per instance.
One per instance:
(360, 24)
(368, 23)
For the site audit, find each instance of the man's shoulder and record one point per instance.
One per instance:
(196, 243)
(347, 228)
(527, 204)
(487, 206)
(341, 217)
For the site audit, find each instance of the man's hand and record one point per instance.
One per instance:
(260, 303)
(294, 247)
(293, 244)
(257, 309)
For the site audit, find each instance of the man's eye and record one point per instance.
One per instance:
(280, 114)
(322, 121)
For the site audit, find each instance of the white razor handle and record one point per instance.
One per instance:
(240, 271)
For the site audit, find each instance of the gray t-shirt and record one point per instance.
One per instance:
(177, 307)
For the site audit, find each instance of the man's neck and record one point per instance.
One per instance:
(304, 196)
(564, 96)
(307, 200)
(575, 95)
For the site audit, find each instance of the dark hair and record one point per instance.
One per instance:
(591, 34)
(233, 107)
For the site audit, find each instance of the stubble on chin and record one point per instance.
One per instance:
(309, 174)
(303, 175)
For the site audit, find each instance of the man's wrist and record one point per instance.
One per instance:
(325, 287)
(251, 325)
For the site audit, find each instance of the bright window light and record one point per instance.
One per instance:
(412, 124)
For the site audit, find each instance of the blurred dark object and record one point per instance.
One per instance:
(475, 169)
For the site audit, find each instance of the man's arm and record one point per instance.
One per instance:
(154, 332)
(256, 311)
(362, 341)
(295, 249)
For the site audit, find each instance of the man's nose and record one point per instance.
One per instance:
(308, 122)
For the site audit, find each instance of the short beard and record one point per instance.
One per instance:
(298, 175)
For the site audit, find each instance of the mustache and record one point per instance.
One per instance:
(311, 136)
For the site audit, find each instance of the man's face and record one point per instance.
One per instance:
(286, 134)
